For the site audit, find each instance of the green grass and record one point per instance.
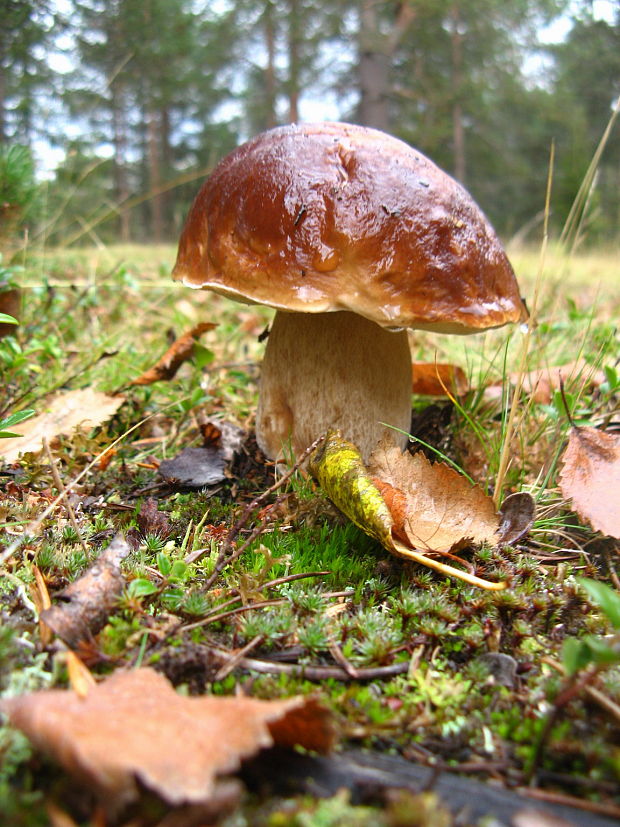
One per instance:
(99, 317)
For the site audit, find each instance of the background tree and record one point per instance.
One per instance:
(161, 89)
(25, 27)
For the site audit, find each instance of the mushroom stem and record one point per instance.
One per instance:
(332, 370)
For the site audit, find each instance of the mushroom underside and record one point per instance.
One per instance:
(332, 370)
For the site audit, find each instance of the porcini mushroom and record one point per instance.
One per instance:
(353, 236)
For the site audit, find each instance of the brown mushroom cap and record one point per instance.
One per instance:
(331, 216)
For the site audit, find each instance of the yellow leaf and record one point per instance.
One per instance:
(339, 469)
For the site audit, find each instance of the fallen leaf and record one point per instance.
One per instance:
(197, 467)
(87, 603)
(194, 467)
(81, 679)
(64, 413)
(442, 509)
(541, 383)
(42, 601)
(153, 521)
(134, 727)
(590, 478)
(517, 517)
(425, 500)
(179, 352)
(438, 379)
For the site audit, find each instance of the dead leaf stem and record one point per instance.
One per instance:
(61, 490)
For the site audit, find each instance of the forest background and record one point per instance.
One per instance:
(136, 100)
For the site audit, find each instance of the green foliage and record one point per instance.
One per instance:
(13, 419)
(579, 653)
(18, 187)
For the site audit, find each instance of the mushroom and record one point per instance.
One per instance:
(352, 236)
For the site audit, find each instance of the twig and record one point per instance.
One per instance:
(263, 604)
(235, 596)
(239, 610)
(573, 685)
(317, 673)
(601, 699)
(571, 801)
(225, 557)
(338, 655)
(61, 490)
(238, 656)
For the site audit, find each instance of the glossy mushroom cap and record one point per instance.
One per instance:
(330, 216)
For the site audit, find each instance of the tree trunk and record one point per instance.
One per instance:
(154, 167)
(166, 166)
(3, 129)
(376, 50)
(458, 131)
(270, 69)
(373, 70)
(121, 187)
(294, 38)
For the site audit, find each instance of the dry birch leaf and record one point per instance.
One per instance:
(590, 478)
(180, 351)
(134, 727)
(64, 413)
(438, 508)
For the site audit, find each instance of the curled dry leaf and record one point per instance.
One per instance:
(63, 414)
(590, 478)
(517, 516)
(180, 351)
(412, 507)
(87, 602)
(134, 726)
(438, 379)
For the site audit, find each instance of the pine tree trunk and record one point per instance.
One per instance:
(373, 70)
(270, 69)
(376, 50)
(121, 187)
(458, 131)
(293, 60)
(154, 167)
(3, 130)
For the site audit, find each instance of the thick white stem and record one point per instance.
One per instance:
(332, 370)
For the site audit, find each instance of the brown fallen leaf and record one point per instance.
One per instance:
(63, 414)
(438, 379)
(590, 478)
(517, 516)
(179, 352)
(87, 602)
(199, 466)
(134, 727)
(437, 509)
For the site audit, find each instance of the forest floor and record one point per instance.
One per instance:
(431, 683)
